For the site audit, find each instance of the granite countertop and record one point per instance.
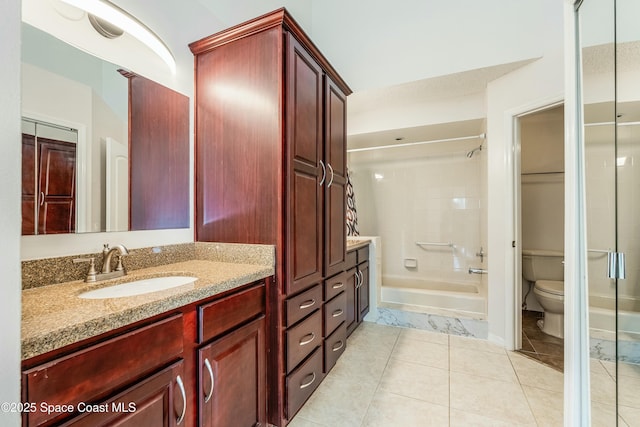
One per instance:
(357, 243)
(54, 316)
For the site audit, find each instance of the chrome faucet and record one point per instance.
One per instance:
(108, 252)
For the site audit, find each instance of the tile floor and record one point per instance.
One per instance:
(538, 345)
(400, 377)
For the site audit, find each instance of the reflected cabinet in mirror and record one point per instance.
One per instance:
(102, 149)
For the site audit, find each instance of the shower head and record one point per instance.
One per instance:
(472, 152)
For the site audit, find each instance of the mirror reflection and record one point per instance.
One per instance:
(103, 149)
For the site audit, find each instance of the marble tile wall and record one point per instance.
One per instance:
(432, 323)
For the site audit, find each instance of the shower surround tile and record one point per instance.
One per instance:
(433, 323)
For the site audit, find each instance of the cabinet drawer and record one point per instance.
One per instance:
(303, 338)
(352, 259)
(335, 312)
(219, 316)
(363, 254)
(90, 373)
(303, 382)
(334, 346)
(302, 305)
(334, 285)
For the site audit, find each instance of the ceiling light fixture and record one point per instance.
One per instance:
(121, 19)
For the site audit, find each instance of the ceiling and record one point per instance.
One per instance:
(405, 52)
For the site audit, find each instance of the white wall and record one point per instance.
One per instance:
(531, 87)
(428, 194)
(384, 115)
(10, 218)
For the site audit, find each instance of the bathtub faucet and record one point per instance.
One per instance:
(473, 270)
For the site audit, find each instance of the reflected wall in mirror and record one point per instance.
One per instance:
(131, 147)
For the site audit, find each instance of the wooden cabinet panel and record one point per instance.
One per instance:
(239, 140)
(363, 291)
(334, 346)
(158, 156)
(335, 197)
(57, 186)
(352, 302)
(156, 401)
(29, 189)
(222, 315)
(271, 167)
(352, 260)
(299, 306)
(304, 189)
(334, 285)
(303, 381)
(232, 385)
(335, 312)
(303, 338)
(99, 369)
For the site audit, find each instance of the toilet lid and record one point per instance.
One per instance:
(551, 286)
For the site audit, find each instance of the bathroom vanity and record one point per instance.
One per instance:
(191, 355)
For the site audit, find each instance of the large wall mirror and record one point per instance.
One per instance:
(103, 149)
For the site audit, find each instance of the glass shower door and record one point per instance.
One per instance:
(610, 54)
(628, 208)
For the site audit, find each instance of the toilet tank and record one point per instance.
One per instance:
(541, 264)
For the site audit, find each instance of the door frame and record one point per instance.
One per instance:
(513, 294)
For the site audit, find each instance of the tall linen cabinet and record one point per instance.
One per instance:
(271, 169)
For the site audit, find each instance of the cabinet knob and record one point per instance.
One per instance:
(207, 365)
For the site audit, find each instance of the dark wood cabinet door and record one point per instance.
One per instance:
(352, 302)
(336, 160)
(158, 156)
(363, 291)
(307, 175)
(155, 401)
(57, 186)
(232, 378)
(29, 189)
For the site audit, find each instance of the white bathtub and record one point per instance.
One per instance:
(433, 297)
(602, 330)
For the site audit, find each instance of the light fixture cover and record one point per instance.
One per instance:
(123, 20)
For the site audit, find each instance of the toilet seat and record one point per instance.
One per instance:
(554, 287)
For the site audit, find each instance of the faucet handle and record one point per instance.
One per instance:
(119, 266)
(91, 274)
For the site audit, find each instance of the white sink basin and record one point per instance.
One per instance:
(138, 287)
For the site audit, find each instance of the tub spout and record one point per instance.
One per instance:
(473, 270)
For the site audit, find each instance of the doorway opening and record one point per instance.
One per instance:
(539, 280)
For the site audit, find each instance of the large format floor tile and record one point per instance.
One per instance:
(396, 377)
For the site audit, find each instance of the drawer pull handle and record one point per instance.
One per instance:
(304, 341)
(207, 365)
(307, 384)
(337, 313)
(184, 400)
(337, 346)
(337, 285)
(308, 303)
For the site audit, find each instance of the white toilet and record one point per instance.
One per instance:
(545, 269)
